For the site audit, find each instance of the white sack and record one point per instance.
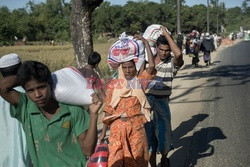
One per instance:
(71, 87)
(152, 33)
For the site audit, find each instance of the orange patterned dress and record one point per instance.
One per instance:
(127, 141)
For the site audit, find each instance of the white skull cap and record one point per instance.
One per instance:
(9, 60)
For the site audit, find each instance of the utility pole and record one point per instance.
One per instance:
(178, 16)
(208, 16)
(217, 19)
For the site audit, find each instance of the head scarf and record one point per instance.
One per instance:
(124, 91)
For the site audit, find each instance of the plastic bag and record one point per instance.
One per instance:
(100, 157)
(70, 87)
(125, 49)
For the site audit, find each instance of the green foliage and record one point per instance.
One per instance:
(41, 22)
(234, 19)
(108, 19)
(7, 28)
(51, 20)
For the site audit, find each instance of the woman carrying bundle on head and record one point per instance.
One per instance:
(126, 111)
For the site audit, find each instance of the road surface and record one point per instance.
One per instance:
(210, 110)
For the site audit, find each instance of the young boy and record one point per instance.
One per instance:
(57, 134)
(92, 77)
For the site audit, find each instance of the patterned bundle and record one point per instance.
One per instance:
(126, 49)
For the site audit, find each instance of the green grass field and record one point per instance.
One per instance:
(58, 56)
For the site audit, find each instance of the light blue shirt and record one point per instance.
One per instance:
(13, 148)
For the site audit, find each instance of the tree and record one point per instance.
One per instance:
(199, 18)
(173, 2)
(244, 5)
(109, 19)
(19, 18)
(81, 28)
(7, 27)
(101, 18)
(214, 3)
(234, 19)
(134, 14)
(155, 16)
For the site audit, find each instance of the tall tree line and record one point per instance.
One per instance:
(51, 20)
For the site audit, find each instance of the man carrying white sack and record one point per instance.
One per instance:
(159, 129)
(57, 134)
(13, 148)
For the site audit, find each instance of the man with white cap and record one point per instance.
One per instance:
(13, 146)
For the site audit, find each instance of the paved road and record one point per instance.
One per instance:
(210, 111)
(209, 108)
(224, 137)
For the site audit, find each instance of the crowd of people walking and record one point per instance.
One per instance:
(196, 43)
(51, 133)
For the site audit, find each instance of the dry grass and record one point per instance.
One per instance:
(103, 49)
(56, 57)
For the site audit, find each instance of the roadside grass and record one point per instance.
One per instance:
(58, 56)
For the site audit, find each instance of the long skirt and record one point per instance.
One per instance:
(128, 145)
(207, 56)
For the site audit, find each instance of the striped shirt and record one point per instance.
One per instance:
(161, 85)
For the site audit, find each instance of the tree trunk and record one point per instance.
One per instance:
(81, 28)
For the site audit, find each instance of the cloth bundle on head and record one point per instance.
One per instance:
(9, 64)
(125, 91)
(152, 33)
(126, 49)
(194, 34)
